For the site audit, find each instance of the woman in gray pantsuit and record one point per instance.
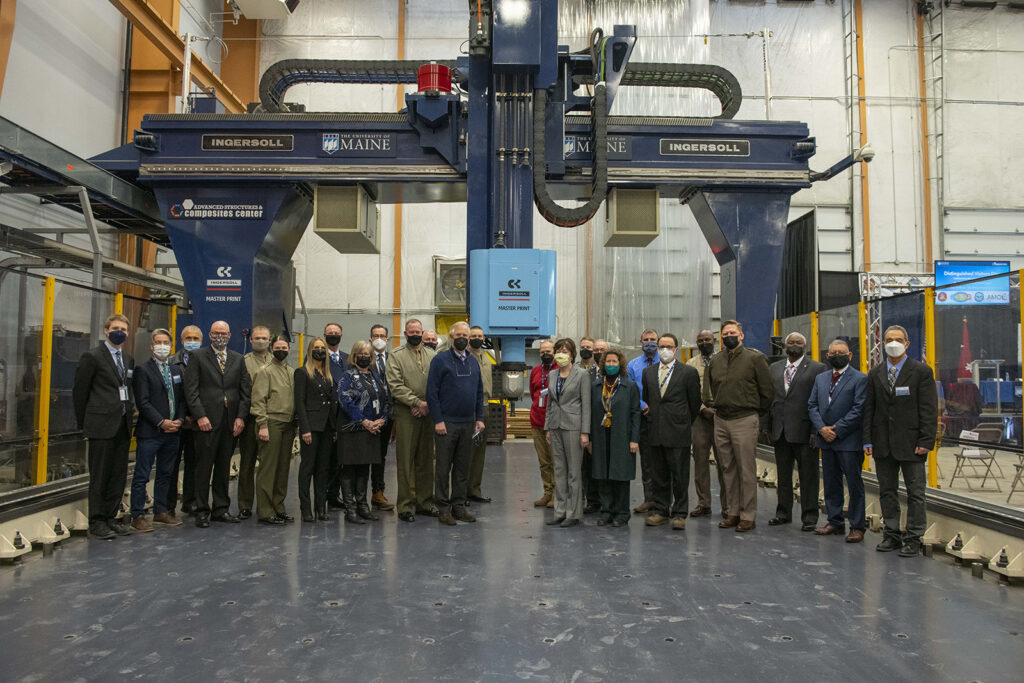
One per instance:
(568, 431)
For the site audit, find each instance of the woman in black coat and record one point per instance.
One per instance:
(365, 411)
(316, 405)
(614, 437)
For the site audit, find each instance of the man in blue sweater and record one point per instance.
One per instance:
(455, 396)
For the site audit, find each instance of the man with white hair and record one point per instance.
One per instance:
(792, 382)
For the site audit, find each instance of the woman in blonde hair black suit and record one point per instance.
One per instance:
(316, 405)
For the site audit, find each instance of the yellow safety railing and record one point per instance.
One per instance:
(43, 413)
(172, 326)
(865, 351)
(815, 335)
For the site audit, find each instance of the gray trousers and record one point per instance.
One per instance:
(567, 458)
(737, 447)
(888, 470)
(703, 438)
(453, 451)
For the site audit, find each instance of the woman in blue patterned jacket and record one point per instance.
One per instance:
(365, 411)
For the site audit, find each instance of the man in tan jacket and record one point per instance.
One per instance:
(406, 369)
(257, 359)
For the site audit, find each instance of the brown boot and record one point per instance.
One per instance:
(543, 501)
(166, 519)
(140, 523)
(642, 507)
(729, 522)
(445, 517)
(380, 502)
(656, 520)
(462, 514)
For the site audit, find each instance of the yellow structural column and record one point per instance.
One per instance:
(302, 353)
(815, 335)
(119, 303)
(776, 327)
(931, 342)
(172, 327)
(862, 330)
(46, 364)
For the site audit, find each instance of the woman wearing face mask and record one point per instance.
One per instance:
(567, 424)
(365, 412)
(615, 437)
(273, 407)
(316, 406)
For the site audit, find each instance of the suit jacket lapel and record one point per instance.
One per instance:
(105, 352)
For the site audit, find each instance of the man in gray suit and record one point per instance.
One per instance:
(792, 381)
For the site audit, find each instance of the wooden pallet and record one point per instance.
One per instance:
(519, 425)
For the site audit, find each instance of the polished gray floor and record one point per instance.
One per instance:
(504, 599)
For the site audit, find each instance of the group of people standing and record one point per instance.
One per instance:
(591, 419)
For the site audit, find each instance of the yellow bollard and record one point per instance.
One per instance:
(39, 465)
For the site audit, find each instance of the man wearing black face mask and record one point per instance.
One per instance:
(793, 380)
(738, 386)
(102, 396)
(430, 339)
(257, 359)
(635, 369)
(703, 436)
(589, 362)
(836, 408)
(338, 360)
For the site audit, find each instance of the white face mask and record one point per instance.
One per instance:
(379, 344)
(895, 349)
(162, 351)
(666, 355)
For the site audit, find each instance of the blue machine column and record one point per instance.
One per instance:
(234, 244)
(746, 232)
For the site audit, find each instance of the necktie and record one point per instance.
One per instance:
(790, 371)
(835, 378)
(334, 357)
(120, 365)
(221, 361)
(893, 371)
(662, 371)
(166, 372)
(380, 364)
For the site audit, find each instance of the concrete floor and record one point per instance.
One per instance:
(504, 599)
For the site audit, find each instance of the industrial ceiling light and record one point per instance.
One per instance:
(980, 4)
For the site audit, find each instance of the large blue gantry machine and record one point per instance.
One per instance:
(526, 124)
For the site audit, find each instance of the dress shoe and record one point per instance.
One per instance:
(729, 522)
(406, 516)
(323, 516)
(285, 518)
(428, 512)
(910, 549)
(555, 521)
(479, 499)
(656, 520)
(855, 536)
(203, 520)
(244, 514)
(619, 523)
(591, 508)
(777, 521)
(446, 518)
(725, 515)
(364, 512)
(569, 522)
(829, 530)
(462, 514)
(119, 528)
(379, 502)
(352, 518)
(271, 521)
(101, 530)
(745, 526)
(700, 511)
(604, 519)
(166, 519)
(889, 544)
(809, 527)
(308, 517)
(226, 518)
(335, 503)
(141, 524)
(642, 507)
(679, 523)
(542, 501)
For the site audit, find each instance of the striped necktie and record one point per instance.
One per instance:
(166, 372)
(893, 372)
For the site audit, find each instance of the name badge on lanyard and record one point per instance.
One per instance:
(122, 393)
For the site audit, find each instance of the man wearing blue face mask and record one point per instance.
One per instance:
(191, 340)
(102, 396)
(635, 368)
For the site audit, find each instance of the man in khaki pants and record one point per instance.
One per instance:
(538, 412)
(703, 436)
(406, 370)
(738, 387)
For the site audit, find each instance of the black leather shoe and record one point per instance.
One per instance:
(271, 521)
(617, 523)
(479, 499)
(911, 549)
(591, 508)
(889, 544)
(308, 517)
(700, 511)
(432, 512)
(226, 518)
(604, 519)
(555, 521)
(335, 504)
(203, 520)
(244, 514)
(777, 521)
(406, 516)
(119, 528)
(285, 518)
(101, 530)
(805, 527)
(323, 517)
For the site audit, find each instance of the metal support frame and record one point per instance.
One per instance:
(97, 259)
(930, 353)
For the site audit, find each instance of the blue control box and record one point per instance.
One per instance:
(512, 291)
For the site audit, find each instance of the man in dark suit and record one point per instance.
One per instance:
(792, 381)
(161, 401)
(217, 390)
(900, 420)
(191, 341)
(102, 396)
(672, 392)
(339, 362)
(379, 339)
(836, 408)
